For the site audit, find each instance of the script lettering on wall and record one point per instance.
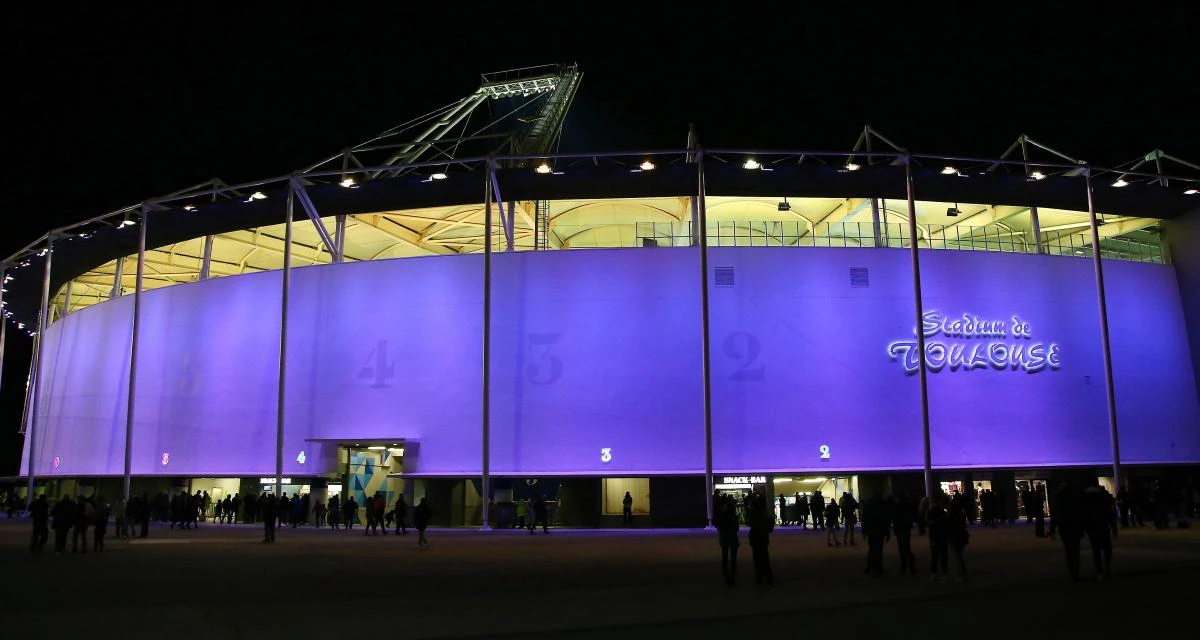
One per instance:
(968, 342)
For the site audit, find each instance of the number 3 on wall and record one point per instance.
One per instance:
(824, 449)
(606, 454)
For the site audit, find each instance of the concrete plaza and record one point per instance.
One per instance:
(220, 581)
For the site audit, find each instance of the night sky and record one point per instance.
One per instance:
(109, 105)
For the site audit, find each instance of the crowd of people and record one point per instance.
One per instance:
(1077, 510)
(1080, 510)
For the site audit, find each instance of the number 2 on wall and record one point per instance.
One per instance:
(824, 449)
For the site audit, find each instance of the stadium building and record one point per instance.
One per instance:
(454, 310)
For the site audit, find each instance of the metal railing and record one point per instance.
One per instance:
(801, 233)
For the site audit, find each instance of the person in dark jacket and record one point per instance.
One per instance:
(876, 528)
(83, 516)
(39, 512)
(831, 516)
(401, 515)
(957, 537)
(762, 522)
(726, 522)
(1100, 523)
(904, 513)
(267, 506)
(421, 516)
(64, 519)
(1069, 523)
(100, 513)
(351, 512)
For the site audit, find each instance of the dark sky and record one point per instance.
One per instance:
(109, 105)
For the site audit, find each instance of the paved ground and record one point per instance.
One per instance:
(221, 582)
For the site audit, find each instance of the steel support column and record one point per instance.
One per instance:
(1037, 228)
(1108, 375)
(487, 343)
(66, 308)
(118, 273)
(34, 419)
(705, 363)
(339, 238)
(919, 308)
(3, 325)
(280, 409)
(206, 259)
(876, 232)
(130, 402)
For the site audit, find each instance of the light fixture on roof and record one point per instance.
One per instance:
(647, 166)
(257, 195)
(751, 164)
(1120, 183)
(438, 176)
(189, 207)
(347, 182)
(376, 447)
(785, 205)
(543, 168)
(853, 166)
(127, 222)
(953, 211)
(949, 171)
(1190, 192)
(1037, 175)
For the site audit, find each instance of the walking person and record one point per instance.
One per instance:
(762, 523)
(119, 514)
(1101, 526)
(64, 519)
(904, 513)
(726, 522)
(817, 504)
(351, 512)
(100, 523)
(957, 537)
(1069, 523)
(876, 528)
(401, 515)
(83, 516)
(627, 510)
(832, 515)
(421, 516)
(849, 508)
(539, 515)
(39, 513)
(267, 506)
(802, 510)
(319, 512)
(380, 508)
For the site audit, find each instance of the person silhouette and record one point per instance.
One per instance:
(627, 510)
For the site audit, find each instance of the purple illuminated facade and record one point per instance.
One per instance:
(600, 351)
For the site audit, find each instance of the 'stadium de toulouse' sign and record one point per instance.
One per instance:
(967, 342)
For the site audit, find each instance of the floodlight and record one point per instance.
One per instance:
(347, 182)
(853, 166)
(1190, 192)
(952, 212)
(543, 168)
(785, 205)
(647, 166)
(438, 176)
(949, 171)
(189, 207)
(258, 195)
(1037, 175)
(1120, 183)
(751, 164)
